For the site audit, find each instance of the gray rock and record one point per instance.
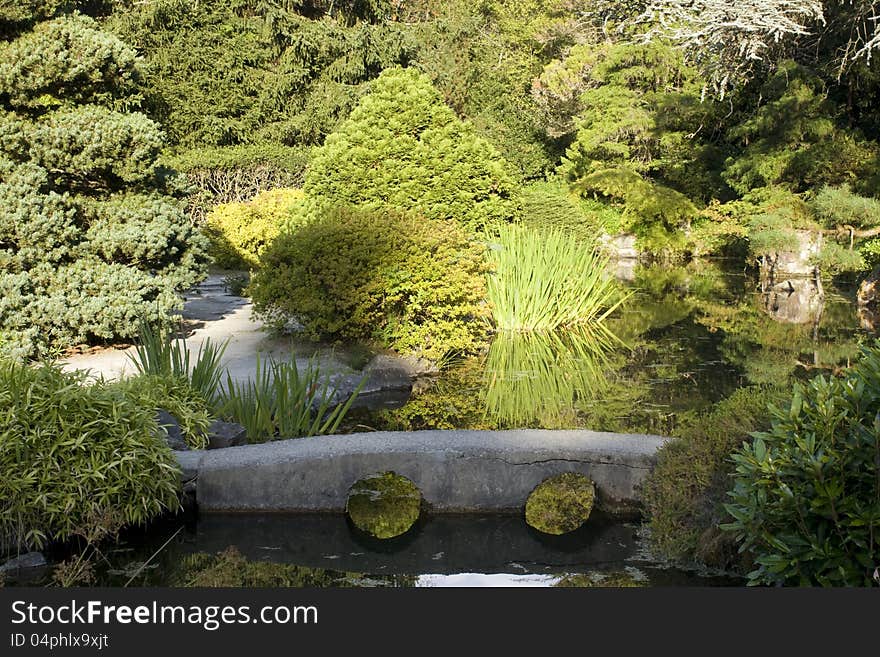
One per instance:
(456, 471)
(389, 381)
(623, 255)
(797, 262)
(173, 434)
(24, 562)
(226, 434)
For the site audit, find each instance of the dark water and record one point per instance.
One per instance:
(326, 551)
(687, 338)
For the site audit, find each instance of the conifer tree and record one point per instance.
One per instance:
(404, 147)
(91, 239)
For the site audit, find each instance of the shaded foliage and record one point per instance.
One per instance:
(409, 283)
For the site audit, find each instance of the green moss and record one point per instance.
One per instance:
(561, 504)
(385, 505)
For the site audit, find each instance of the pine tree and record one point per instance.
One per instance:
(91, 240)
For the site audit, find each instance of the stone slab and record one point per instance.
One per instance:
(456, 471)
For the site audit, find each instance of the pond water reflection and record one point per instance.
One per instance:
(270, 550)
(687, 338)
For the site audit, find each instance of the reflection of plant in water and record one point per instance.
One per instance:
(770, 352)
(452, 401)
(598, 579)
(385, 505)
(535, 378)
(695, 334)
(231, 569)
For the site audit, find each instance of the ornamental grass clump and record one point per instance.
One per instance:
(72, 452)
(160, 354)
(283, 402)
(544, 280)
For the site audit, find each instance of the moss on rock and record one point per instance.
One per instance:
(384, 505)
(561, 504)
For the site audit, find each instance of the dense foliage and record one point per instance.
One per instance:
(239, 232)
(806, 500)
(686, 492)
(90, 239)
(419, 157)
(72, 453)
(411, 284)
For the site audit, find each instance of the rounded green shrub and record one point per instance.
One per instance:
(384, 505)
(561, 504)
(389, 276)
(806, 498)
(71, 453)
(403, 147)
(239, 232)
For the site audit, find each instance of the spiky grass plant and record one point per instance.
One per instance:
(160, 354)
(544, 279)
(281, 401)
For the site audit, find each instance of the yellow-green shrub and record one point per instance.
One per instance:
(413, 285)
(239, 232)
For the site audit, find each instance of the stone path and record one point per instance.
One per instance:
(217, 315)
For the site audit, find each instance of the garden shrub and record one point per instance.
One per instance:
(414, 286)
(403, 147)
(553, 205)
(239, 232)
(806, 499)
(71, 452)
(685, 494)
(90, 238)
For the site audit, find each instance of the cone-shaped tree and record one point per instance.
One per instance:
(90, 238)
(403, 147)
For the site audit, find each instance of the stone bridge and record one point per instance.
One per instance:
(456, 471)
